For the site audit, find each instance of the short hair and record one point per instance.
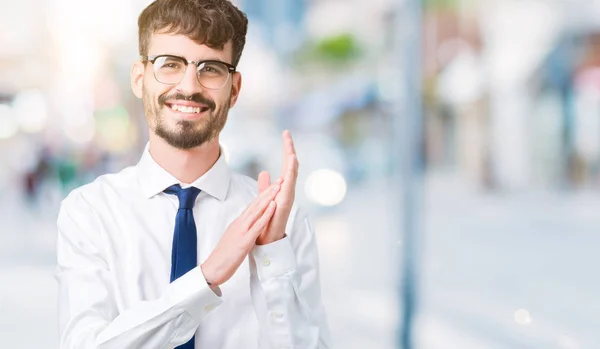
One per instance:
(210, 22)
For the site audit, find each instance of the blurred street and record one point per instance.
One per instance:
(510, 271)
(521, 270)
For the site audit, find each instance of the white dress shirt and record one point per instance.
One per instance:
(114, 260)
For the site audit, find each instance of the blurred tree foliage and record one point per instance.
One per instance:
(442, 4)
(338, 49)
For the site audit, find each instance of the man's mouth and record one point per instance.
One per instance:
(187, 109)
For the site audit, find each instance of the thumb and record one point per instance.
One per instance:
(264, 180)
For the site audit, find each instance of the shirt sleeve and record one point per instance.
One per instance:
(87, 310)
(288, 272)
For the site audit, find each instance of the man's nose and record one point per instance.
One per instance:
(189, 83)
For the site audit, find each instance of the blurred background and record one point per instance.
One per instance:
(503, 190)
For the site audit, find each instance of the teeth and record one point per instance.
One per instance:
(184, 109)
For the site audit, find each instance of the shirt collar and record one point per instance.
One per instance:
(154, 179)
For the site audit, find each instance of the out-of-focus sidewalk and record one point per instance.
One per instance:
(27, 256)
(510, 270)
(497, 270)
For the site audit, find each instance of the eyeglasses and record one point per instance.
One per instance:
(170, 70)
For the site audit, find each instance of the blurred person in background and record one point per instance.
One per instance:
(33, 178)
(180, 251)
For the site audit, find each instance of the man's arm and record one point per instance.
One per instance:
(288, 272)
(286, 262)
(88, 314)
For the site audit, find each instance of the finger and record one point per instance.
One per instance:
(258, 205)
(267, 193)
(264, 179)
(291, 149)
(288, 188)
(291, 169)
(262, 200)
(284, 163)
(291, 172)
(261, 223)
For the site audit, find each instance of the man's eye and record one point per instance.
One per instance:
(209, 70)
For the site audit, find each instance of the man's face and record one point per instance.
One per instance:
(185, 115)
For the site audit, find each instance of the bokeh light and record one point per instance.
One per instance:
(522, 317)
(8, 125)
(31, 110)
(325, 187)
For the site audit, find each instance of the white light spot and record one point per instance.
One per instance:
(30, 108)
(8, 124)
(83, 133)
(522, 317)
(325, 187)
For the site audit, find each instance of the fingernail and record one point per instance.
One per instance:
(272, 203)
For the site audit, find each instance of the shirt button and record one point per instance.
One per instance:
(277, 315)
(266, 262)
(209, 307)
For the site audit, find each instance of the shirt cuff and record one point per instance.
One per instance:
(192, 293)
(274, 259)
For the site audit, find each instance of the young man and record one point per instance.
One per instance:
(179, 251)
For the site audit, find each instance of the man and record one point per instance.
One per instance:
(179, 251)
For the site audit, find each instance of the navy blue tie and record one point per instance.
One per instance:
(184, 256)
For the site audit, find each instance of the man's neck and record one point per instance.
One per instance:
(185, 165)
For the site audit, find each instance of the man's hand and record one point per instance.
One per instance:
(239, 238)
(285, 198)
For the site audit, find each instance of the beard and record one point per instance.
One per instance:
(185, 134)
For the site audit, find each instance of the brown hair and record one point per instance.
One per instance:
(209, 22)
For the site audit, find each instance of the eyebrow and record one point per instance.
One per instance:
(210, 58)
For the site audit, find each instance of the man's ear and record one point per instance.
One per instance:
(137, 78)
(236, 86)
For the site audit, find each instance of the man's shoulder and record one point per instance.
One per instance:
(105, 187)
(243, 184)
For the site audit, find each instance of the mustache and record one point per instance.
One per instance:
(196, 97)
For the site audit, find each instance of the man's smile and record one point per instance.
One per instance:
(187, 107)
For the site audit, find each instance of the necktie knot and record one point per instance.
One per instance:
(187, 197)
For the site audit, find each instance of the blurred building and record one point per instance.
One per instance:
(281, 22)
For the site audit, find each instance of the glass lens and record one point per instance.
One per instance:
(213, 75)
(169, 70)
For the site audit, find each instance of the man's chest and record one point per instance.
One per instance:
(139, 241)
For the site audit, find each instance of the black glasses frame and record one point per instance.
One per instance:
(152, 59)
